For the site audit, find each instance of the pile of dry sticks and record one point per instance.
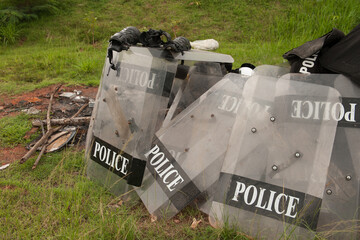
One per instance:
(44, 142)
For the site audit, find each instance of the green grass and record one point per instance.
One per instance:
(13, 130)
(70, 46)
(56, 200)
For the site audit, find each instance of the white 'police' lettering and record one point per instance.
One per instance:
(165, 170)
(111, 158)
(137, 77)
(308, 63)
(322, 110)
(280, 203)
(231, 104)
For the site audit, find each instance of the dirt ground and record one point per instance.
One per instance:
(39, 99)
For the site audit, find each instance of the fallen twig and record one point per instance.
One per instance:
(80, 110)
(49, 107)
(45, 137)
(42, 127)
(63, 121)
(39, 156)
(42, 140)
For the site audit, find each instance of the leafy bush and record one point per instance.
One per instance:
(9, 33)
(14, 12)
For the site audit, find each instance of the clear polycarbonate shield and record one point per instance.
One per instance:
(197, 73)
(271, 71)
(130, 106)
(339, 215)
(185, 159)
(273, 177)
(200, 77)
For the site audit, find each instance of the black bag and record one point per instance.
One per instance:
(344, 56)
(305, 58)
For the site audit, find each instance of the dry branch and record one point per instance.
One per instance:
(43, 141)
(80, 110)
(63, 121)
(39, 156)
(49, 107)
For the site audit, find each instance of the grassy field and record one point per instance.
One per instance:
(57, 201)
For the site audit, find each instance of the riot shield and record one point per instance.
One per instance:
(199, 71)
(339, 215)
(186, 156)
(271, 71)
(201, 76)
(130, 106)
(274, 172)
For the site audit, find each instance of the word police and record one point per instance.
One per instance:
(268, 200)
(164, 169)
(308, 64)
(231, 104)
(111, 158)
(323, 110)
(137, 77)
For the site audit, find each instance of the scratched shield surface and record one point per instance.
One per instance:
(274, 173)
(339, 215)
(186, 157)
(130, 106)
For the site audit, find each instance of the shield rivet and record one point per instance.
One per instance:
(274, 168)
(272, 119)
(253, 130)
(328, 192)
(297, 155)
(348, 178)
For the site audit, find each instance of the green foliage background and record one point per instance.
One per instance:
(50, 41)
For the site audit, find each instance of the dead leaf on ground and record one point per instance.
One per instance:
(195, 223)
(176, 221)
(153, 218)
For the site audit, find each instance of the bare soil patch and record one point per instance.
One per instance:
(38, 99)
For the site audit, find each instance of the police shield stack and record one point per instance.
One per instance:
(185, 159)
(276, 155)
(274, 174)
(130, 107)
(133, 99)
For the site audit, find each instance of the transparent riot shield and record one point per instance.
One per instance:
(273, 177)
(130, 106)
(339, 215)
(271, 71)
(201, 76)
(185, 159)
